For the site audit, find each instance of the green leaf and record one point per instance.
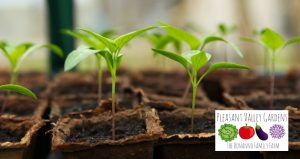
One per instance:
(220, 65)
(182, 35)
(163, 42)
(124, 39)
(188, 55)
(210, 39)
(271, 39)
(119, 59)
(250, 40)
(86, 38)
(173, 56)
(107, 42)
(18, 89)
(200, 59)
(33, 48)
(3, 47)
(292, 41)
(110, 33)
(76, 56)
(18, 52)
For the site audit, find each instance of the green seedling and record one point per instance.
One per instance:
(224, 31)
(273, 43)
(111, 54)
(195, 44)
(93, 43)
(193, 61)
(18, 89)
(17, 54)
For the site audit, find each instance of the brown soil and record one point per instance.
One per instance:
(85, 130)
(93, 131)
(22, 106)
(13, 130)
(179, 121)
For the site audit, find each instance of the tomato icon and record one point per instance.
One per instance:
(246, 132)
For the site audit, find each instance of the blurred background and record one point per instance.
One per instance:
(27, 20)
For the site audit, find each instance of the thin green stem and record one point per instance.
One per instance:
(13, 78)
(272, 80)
(194, 85)
(193, 106)
(113, 96)
(100, 73)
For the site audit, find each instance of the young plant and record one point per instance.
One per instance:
(224, 31)
(111, 54)
(273, 43)
(195, 43)
(17, 54)
(93, 43)
(193, 61)
(17, 89)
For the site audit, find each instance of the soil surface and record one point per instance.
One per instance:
(13, 130)
(179, 121)
(19, 105)
(75, 104)
(92, 130)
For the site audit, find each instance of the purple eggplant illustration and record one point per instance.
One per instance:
(260, 133)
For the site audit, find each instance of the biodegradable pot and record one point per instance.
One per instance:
(73, 104)
(18, 137)
(69, 104)
(179, 142)
(80, 84)
(22, 106)
(88, 135)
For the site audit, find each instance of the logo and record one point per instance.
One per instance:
(251, 130)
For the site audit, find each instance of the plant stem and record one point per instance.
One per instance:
(100, 72)
(113, 93)
(13, 78)
(193, 105)
(272, 80)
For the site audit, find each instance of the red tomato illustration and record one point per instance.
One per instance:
(246, 132)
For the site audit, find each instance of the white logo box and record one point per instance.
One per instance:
(272, 122)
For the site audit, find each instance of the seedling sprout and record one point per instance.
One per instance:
(111, 54)
(273, 43)
(93, 43)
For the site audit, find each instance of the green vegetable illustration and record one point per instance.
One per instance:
(228, 132)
